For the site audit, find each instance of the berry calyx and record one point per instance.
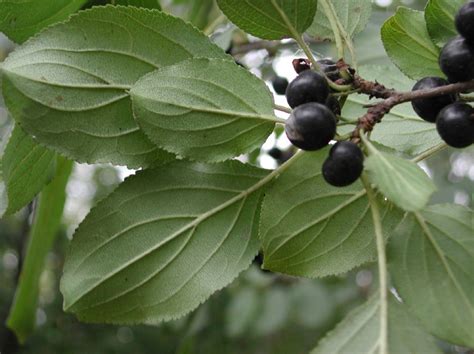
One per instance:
(280, 84)
(344, 164)
(457, 60)
(309, 86)
(329, 68)
(428, 108)
(465, 21)
(311, 126)
(455, 125)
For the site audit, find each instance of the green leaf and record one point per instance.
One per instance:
(27, 168)
(402, 181)
(163, 242)
(263, 18)
(63, 89)
(148, 4)
(359, 332)
(439, 16)
(311, 229)
(409, 45)
(20, 19)
(208, 110)
(401, 129)
(199, 12)
(48, 216)
(5, 133)
(353, 15)
(431, 261)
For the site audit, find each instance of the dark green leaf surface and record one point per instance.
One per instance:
(20, 19)
(163, 242)
(353, 16)
(359, 332)
(431, 258)
(311, 229)
(409, 45)
(149, 4)
(62, 87)
(439, 16)
(27, 167)
(208, 110)
(262, 18)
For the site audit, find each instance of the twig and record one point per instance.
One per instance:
(377, 111)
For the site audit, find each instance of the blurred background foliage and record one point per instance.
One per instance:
(261, 312)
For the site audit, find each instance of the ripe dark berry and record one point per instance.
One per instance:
(280, 84)
(309, 86)
(465, 21)
(457, 60)
(275, 152)
(455, 125)
(428, 108)
(311, 126)
(344, 164)
(333, 104)
(329, 67)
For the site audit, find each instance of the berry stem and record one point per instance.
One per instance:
(282, 108)
(214, 24)
(340, 30)
(306, 49)
(430, 152)
(334, 26)
(382, 265)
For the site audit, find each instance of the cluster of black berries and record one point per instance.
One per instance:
(312, 123)
(454, 120)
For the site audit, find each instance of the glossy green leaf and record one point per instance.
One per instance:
(359, 332)
(439, 16)
(27, 167)
(62, 87)
(409, 45)
(402, 181)
(148, 4)
(263, 18)
(401, 129)
(47, 221)
(311, 229)
(431, 261)
(163, 242)
(20, 19)
(353, 16)
(208, 110)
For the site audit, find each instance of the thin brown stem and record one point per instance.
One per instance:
(377, 111)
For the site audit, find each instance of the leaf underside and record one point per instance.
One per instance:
(163, 242)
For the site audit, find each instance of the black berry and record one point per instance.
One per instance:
(455, 125)
(428, 108)
(465, 21)
(311, 126)
(329, 68)
(280, 85)
(275, 152)
(301, 65)
(309, 86)
(457, 60)
(344, 164)
(333, 104)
